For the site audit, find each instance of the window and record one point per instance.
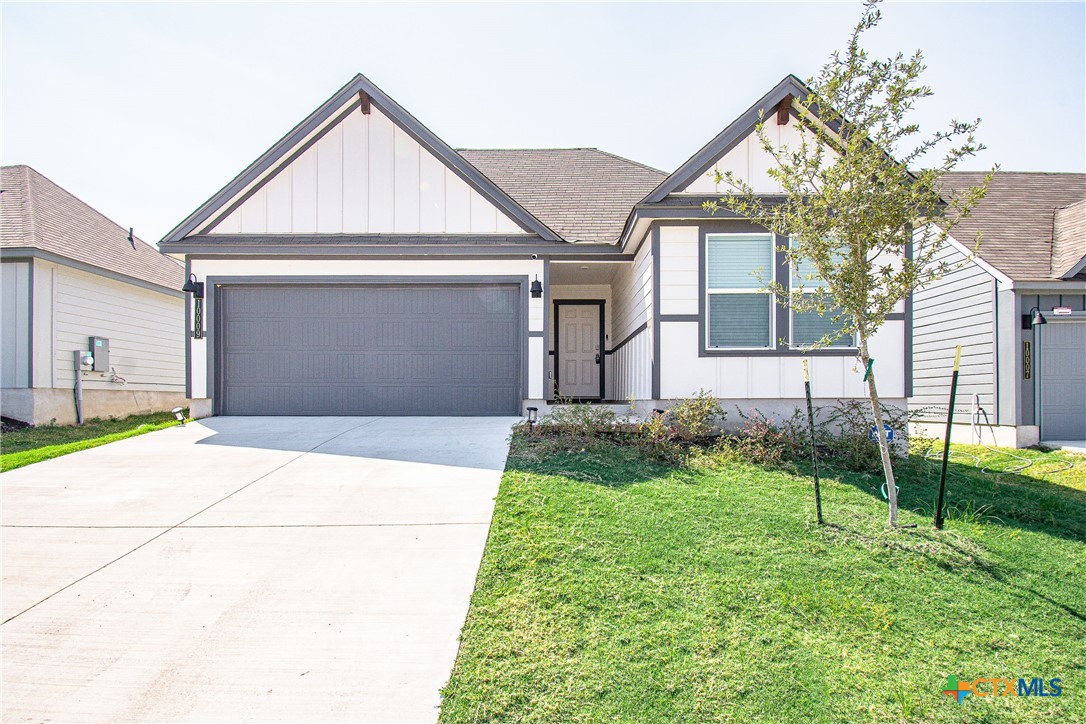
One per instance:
(739, 307)
(808, 328)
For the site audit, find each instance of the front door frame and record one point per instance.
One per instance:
(558, 303)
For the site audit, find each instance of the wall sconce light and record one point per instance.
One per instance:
(537, 288)
(1033, 319)
(196, 289)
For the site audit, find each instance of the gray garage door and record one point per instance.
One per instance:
(369, 350)
(1063, 380)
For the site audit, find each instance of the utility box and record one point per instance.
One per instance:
(99, 347)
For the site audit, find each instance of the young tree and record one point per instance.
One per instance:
(850, 204)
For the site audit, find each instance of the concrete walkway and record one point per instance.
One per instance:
(246, 569)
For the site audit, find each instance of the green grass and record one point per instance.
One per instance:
(34, 444)
(613, 587)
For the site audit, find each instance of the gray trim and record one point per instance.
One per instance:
(656, 313)
(899, 316)
(548, 388)
(558, 304)
(700, 162)
(679, 317)
(213, 310)
(30, 326)
(410, 125)
(782, 322)
(514, 251)
(23, 254)
(1076, 269)
(532, 334)
(908, 318)
(629, 338)
(188, 335)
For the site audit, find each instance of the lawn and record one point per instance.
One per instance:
(613, 587)
(34, 444)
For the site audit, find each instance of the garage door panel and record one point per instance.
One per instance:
(370, 350)
(1063, 380)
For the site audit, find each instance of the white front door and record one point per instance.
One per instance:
(579, 353)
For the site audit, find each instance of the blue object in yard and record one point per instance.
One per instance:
(873, 435)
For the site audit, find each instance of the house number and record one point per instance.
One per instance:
(1027, 360)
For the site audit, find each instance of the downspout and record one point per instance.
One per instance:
(78, 387)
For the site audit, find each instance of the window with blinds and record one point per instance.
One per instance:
(810, 328)
(738, 306)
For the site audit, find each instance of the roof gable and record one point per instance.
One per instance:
(690, 173)
(437, 178)
(37, 214)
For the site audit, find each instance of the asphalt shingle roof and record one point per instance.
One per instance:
(583, 194)
(35, 213)
(1017, 222)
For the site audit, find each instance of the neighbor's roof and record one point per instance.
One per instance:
(584, 194)
(35, 213)
(1016, 220)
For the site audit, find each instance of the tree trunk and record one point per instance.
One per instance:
(884, 446)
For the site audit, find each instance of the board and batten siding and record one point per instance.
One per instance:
(629, 367)
(747, 160)
(15, 324)
(957, 309)
(366, 176)
(145, 330)
(683, 371)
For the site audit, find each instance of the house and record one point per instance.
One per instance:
(75, 282)
(1020, 382)
(363, 266)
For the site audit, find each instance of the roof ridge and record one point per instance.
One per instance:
(1019, 173)
(630, 160)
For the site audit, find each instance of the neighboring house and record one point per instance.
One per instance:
(69, 274)
(1027, 382)
(363, 266)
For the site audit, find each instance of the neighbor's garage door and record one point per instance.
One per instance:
(1063, 380)
(369, 350)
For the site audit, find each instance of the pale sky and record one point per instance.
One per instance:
(145, 110)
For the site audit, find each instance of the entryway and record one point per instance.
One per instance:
(578, 364)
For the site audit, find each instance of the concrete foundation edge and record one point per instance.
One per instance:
(55, 406)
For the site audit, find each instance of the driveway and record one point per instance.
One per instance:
(247, 569)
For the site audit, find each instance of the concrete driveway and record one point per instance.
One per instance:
(247, 569)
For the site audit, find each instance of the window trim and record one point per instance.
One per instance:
(792, 274)
(707, 291)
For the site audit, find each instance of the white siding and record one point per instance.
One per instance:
(679, 270)
(14, 324)
(629, 371)
(748, 161)
(683, 372)
(366, 176)
(145, 331)
(365, 267)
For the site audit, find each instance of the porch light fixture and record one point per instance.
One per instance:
(537, 291)
(196, 289)
(1033, 319)
(193, 287)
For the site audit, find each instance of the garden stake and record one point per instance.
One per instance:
(946, 442)
(814, 455)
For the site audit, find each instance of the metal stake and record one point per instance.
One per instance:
(814, 455)
(946, 442)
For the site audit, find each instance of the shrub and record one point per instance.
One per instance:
(697, 417)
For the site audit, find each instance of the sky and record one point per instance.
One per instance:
(144, 110)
